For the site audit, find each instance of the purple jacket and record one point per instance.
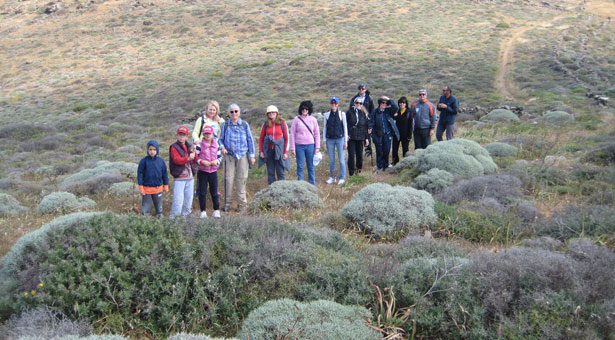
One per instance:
(209, 153)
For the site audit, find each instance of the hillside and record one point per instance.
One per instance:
(88, 81)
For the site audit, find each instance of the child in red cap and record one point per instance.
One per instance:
(183, 169)
(208, 163)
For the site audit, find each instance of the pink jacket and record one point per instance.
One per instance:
(300, 135)
(209, 153)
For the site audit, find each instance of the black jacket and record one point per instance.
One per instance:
(356, 130)
(404, 124)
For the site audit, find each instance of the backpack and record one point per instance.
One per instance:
(412, 111)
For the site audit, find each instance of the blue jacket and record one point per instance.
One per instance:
(383, 122)
(152, 171)
(449, 114)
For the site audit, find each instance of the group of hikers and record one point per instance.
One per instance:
(216, 142)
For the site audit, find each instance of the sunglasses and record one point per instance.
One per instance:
(361, 88)
(234, 111)
(422, 94)
(359, 103)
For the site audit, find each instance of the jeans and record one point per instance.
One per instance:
(450, 130)
(331, 145)
(274, 168)
(383, 148)
(183, 191)
(305, 153)
(422, 139)
(211, 179)
(355, 151)
(148, 200)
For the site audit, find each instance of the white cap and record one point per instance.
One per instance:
(317, 158)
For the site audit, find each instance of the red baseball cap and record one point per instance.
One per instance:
(208, 129)
(182, 129)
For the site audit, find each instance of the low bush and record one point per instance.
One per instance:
(75, 337)
(501, 187)
(543, 242)
(500, 115)
(383, 210)
(163, 276)
(434, 181)
(99, 178)
(408, 162)
(557, 117)
(578, 221)
(498, 149)
(10, 206)
(286, 194)
(602, 154)
(43, 323)
(461, 157)
(187, 336)
(63, 202)
(288, 319)
(123, 189)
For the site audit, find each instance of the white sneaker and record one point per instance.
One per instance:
(341, 182)
(330, 180)
(216, 214)
(203, 214)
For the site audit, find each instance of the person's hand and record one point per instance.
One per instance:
(431, 132)
(324, 146)
(166, 189)
(345, 145)
(285, 156)
(294, 153)
(262, 155)
(252, 161)
(367, 142)
(442, 106)
(386, 98)
(192, 155)
(142, 193)
(317, 150)
(224, 151)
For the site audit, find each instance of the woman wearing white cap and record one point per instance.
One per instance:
(273, 145)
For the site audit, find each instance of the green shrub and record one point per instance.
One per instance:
(503, 188)
(63, 202)
(461, 157)
(382, 209)
(408, 162)
(500, 115)
(9, 205)
(498, 149)
(434, 181)
(134, 272)
(286, 194)
(288, 319)
(75, 337)
(123, 189)
(602, 154)
(557, 117)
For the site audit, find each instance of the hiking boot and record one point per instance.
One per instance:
(216, 214)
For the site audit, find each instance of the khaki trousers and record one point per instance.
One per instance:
(235, 173)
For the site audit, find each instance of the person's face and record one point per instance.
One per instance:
(272, 115)
(383, 105)
(403, 105)
(358, 105)
(334, 106)
(212, 111)
(362, 90)
(208, 136)
(234, 114)
(446, 92)
(423, 97)
(151, 151)
(304, 111)
(182, 137)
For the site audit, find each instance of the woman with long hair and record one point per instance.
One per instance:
(305, 140)
(210, 116)
(273, 145)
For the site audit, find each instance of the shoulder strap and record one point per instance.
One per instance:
(202, 123)
(301, 119)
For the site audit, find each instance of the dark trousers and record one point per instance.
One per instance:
(355, 152)
(274, 167)
(404, 148)
(450, 130)
(148, 200)
(211, 179)
(383, 148)
(422, 139)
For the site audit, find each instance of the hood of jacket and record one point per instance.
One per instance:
(154, 143)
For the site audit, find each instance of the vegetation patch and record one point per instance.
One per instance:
(461, 157)
(286, 195)
(63, 202)
(10, 206)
